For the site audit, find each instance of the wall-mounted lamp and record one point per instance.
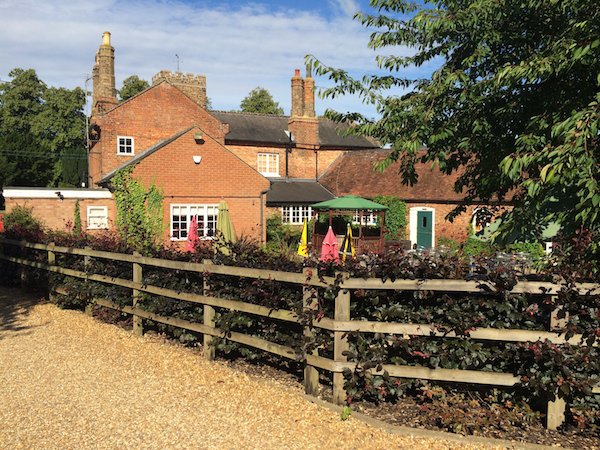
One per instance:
(59, 195)
(197, 159)
(199, 138)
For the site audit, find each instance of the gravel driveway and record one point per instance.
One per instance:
(69, 381)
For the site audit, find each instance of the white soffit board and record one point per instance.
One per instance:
(56, 193)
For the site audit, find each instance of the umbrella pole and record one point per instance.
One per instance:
(360, 233)
(382, 233)
(315, 217)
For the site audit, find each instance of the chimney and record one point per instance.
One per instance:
(309, 94)
(297, 95)
(303, 123)
(104, 94)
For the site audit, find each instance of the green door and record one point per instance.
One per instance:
(424, 229)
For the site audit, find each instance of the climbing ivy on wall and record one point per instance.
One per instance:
(395, 217)
(139, 211)
(77, 218)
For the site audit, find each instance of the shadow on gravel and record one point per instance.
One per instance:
(15, 304)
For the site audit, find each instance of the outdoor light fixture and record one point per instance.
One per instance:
(199, 138)
(197, 159)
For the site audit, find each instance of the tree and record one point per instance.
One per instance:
(42, 132)
(24, 159)
(259, 100)
(513, 107)
(132, 86)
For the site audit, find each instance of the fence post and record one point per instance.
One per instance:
(555, 415)
(51, 262)
(340, 344)
(309, 303)
(556, 409)
(89, 308)
(138, 327)
(208, 315)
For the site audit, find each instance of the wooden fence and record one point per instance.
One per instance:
(339, 324)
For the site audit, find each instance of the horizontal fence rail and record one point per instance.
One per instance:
(340, 324)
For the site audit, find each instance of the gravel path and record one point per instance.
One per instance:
(69, 381)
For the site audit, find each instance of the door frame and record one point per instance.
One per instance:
(413, 224)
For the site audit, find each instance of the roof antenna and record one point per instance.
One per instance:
(177, 56)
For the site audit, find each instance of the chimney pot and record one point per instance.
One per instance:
(106, 38)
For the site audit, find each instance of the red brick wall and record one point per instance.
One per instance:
(457, 230)
(220, 175)
(302, 163)
(55, 214)
(305, 130)
(156, 114)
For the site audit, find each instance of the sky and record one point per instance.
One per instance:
(237, 45)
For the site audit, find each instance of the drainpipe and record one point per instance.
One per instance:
(288, 150)
(262, 218)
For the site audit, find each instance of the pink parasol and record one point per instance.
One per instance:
(329, 249)
(192, 237)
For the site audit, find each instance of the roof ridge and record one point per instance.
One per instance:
(242, 113)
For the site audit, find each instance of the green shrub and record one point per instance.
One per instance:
(476, 247)
(282, 238)
(77, 218)
(451, 244)
(20, 223)
(395, 216)
(534, 249)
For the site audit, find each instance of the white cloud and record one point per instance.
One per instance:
(347, 7)
(237, 48)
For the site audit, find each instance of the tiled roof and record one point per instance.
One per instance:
(249, 127)
(353, 174)
(294, 191)
(269, 129)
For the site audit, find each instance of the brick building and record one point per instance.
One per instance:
(257, 163)
(428, 201)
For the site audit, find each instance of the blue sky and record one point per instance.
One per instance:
(238, 45)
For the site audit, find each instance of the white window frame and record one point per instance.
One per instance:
(269, 172)
(205, 227)
(295, 214)
(103, 215)
(369, 218)
(125, 145)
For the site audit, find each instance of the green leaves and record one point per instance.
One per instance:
(139, 211)
(259, 100)
(132, 86)
(42, 133)
(512, 105)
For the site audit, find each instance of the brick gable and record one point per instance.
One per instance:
(220, 175)
(153, 115)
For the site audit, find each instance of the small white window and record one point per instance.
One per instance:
(181, 219)
(268, 164)
(295, 215)
(97, 217)
(125, 145)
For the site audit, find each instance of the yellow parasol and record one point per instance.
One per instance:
(303, 247)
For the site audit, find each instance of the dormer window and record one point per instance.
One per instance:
(125, 145)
